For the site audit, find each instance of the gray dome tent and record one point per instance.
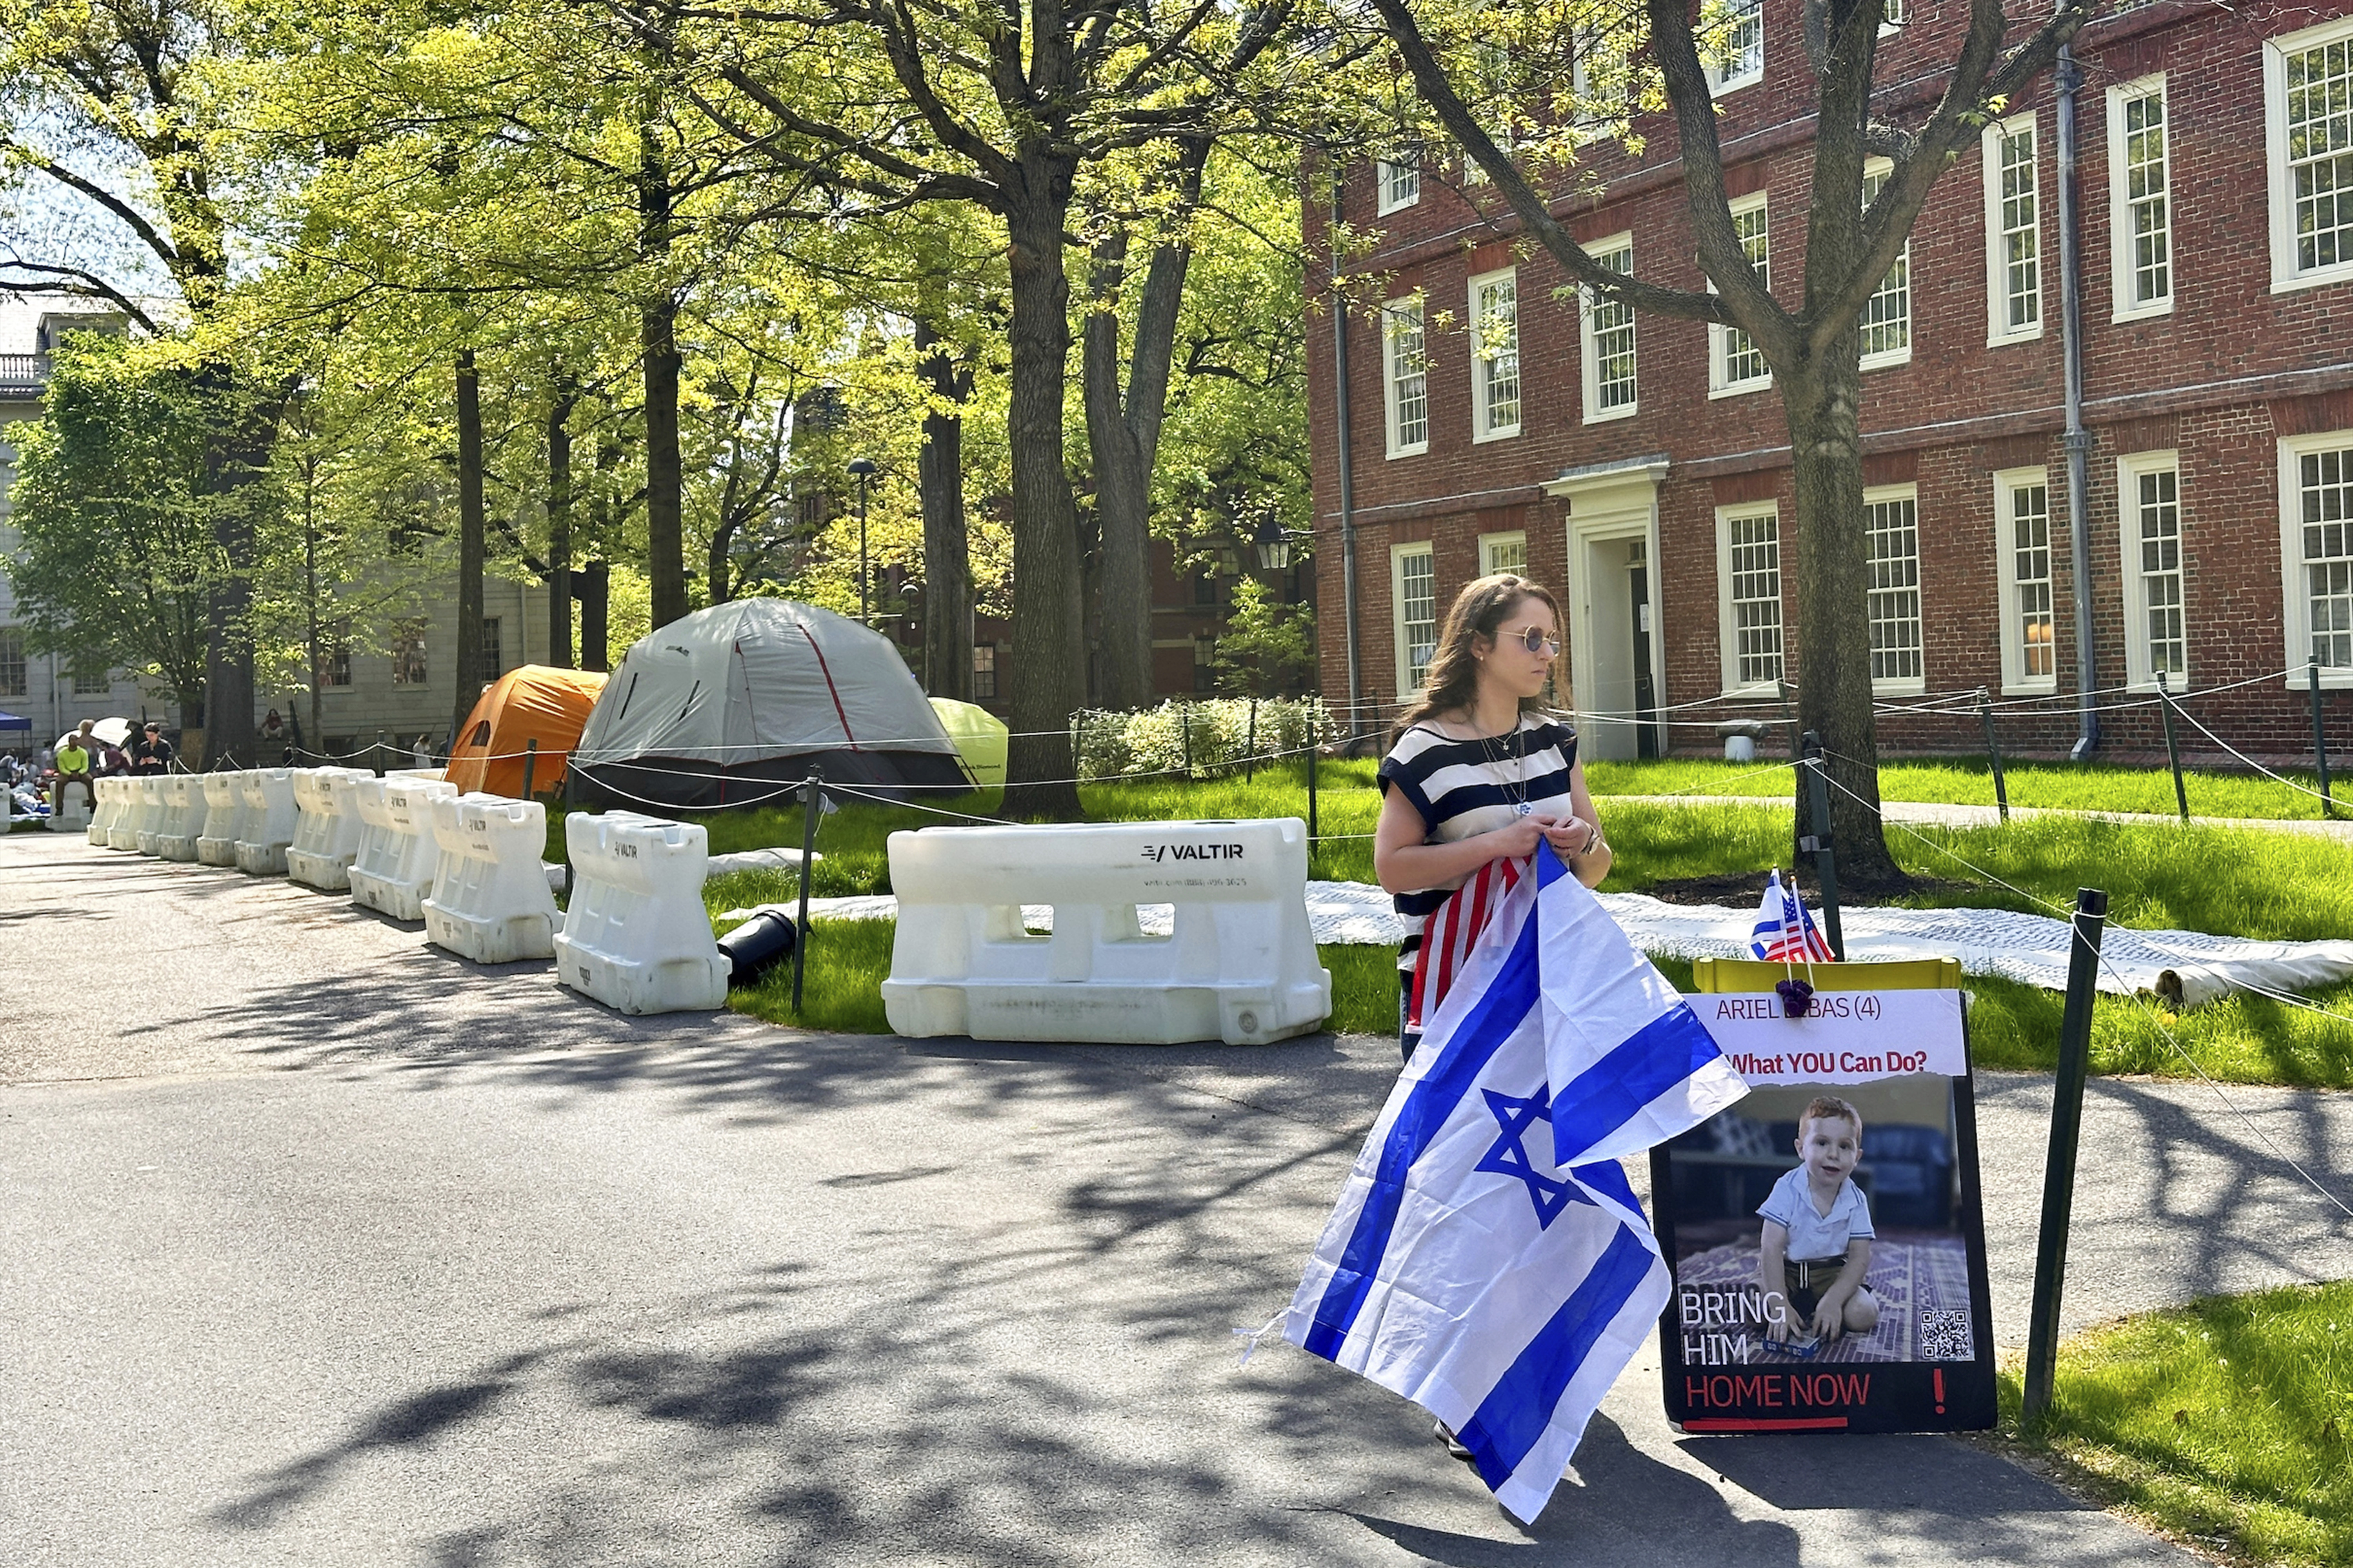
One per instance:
(721, 707)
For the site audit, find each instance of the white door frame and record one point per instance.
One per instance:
(1609, 501)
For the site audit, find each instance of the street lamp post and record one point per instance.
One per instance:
(864, 469)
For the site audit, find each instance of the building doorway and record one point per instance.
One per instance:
(1615, 645)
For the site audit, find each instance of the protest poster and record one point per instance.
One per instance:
(1875, 1316)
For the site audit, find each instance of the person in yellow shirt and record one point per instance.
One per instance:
(73, 768)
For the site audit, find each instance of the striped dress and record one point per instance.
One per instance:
(1464, 787)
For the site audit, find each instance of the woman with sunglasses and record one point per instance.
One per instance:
(1478, 771)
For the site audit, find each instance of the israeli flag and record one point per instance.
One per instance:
(1488, 1259)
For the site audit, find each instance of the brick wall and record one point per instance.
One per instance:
(2220, 379)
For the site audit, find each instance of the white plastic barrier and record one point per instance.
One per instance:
(108, 810)
(491, 901)
(327, 832)
(268, 825)
(148, 791)
(636, 934)
(226, 814)
(186, 808)
(71, 811)
(122, 833)
(1239, 966)
(395, 875)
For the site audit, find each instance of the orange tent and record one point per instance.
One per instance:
(536, 702)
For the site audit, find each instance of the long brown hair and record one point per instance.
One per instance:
(1477, 611)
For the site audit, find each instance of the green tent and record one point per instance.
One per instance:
(980, 739)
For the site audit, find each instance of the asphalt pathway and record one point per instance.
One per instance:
(326, 1248)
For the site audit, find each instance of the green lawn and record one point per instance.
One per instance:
(2242, 882)
(2225, 1421)
(2095, 786)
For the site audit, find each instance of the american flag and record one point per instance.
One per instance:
(1452, 931)
(1784, 930)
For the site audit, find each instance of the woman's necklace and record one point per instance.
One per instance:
(1515, 789)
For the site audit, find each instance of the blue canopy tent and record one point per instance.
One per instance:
(11, 722)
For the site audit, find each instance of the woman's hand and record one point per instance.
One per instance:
(1572, 838)
(1518, 840)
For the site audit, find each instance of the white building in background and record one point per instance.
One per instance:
(398, 693)
(42, 686)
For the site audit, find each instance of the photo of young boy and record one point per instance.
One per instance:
(1818, 1224)
(1814, 1251)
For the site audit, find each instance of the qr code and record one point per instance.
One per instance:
(1944, 1334)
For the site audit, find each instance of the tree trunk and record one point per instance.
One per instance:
(1833, 589)
(1049, 660)
(468, 661)
(235, 455)
(559, 523)
(596, 584)
(1123, 489)
(1123, 430)
(665, 520)
(947, 551)
(311, 601)
(657, 341)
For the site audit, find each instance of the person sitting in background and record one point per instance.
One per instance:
(111, 760)
(152, 755)
(73, 768)
(422, 754)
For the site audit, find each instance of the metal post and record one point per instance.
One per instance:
(1314, 751)
(2319, 738)
(570, 795)
(813, 792)
(2066, 1132)
(1250, 747)
(2172, 746)
(1818, 843)
(1993, 750)
(1790, 717)
(530, 764)
(382, 767)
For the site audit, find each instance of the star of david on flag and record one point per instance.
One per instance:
(1488, 1258)
(1784, 931)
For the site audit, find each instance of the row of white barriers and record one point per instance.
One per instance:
(636, 937)
(1160, 933)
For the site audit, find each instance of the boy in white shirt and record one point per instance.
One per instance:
(1816, 1245)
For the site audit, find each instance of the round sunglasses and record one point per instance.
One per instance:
(1535, 639)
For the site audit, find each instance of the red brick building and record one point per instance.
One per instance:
(1640, 464)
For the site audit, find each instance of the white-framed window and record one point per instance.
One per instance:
(1888, 317)
(1749, 594)
(2013, 202)
(1735, 364)
(408, 665)
(2308, 134)
(2140, 202)
(12, 662)
(2021, 526)
(1413, 600)
(1606, 328)
(1406, 385)
(1890, 525)
(1495, 356)
(1734, 51)
(2316, 555)
(494, 657)
(93, 681)
(1892, 15)
(2149, 512)
(1492, 81)
(984, 670)
(1398, 180)
(1503, 553)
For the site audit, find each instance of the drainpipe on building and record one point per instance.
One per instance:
(1347, 472)
(2078, 441)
